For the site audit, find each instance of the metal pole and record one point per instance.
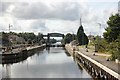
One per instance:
(9, 37)
(100, 29)
(9, 27)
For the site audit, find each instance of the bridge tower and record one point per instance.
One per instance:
(63, 36)
(48, 39)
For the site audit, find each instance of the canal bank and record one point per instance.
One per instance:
(97, 66)
(19, 55)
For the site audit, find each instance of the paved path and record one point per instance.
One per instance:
(101, 59)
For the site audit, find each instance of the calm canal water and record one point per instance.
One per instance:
(53, 63)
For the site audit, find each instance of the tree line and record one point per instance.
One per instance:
(28, 37)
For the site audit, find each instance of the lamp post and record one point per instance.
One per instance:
(98, 42)
(100, 28)
(99, 38)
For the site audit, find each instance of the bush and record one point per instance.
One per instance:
(115, 49)
(103, 45)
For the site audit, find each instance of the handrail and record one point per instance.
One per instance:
(108, 70)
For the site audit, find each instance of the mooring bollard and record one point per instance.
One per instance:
(74, 52)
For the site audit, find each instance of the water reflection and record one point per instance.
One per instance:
(6, 71)
(0, 71)
(44, 64)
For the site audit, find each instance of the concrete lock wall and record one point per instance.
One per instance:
(96, 69)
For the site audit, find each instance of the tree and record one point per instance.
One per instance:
(113, 29)
(40, 36)
(5, 39)
(112, 36)
(115, 49)
(53, 41)
(68, 38)
(30, 37)
(81, 36)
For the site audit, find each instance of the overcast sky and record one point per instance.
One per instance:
(56, 15)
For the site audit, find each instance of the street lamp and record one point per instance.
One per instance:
(98, 42)
(100, 28)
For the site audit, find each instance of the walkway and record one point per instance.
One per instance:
(102, 59)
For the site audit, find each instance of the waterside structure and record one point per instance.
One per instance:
(97, 66)
(19, 55)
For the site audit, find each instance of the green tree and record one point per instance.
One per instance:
(5, 39)
(113, 29)
(53, 41)
(40, 36)
(68, 38)
(114, 49)
(112, 36)
(81, 36)
(30, 37)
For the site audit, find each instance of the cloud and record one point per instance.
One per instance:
(45, 16)
(63, 11)
(3, 7)
(39, 25)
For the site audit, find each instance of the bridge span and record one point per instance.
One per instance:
(52, 35)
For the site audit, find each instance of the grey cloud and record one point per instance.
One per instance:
(61, 11)
(3, 7)
(39, 26)
(40, 10)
